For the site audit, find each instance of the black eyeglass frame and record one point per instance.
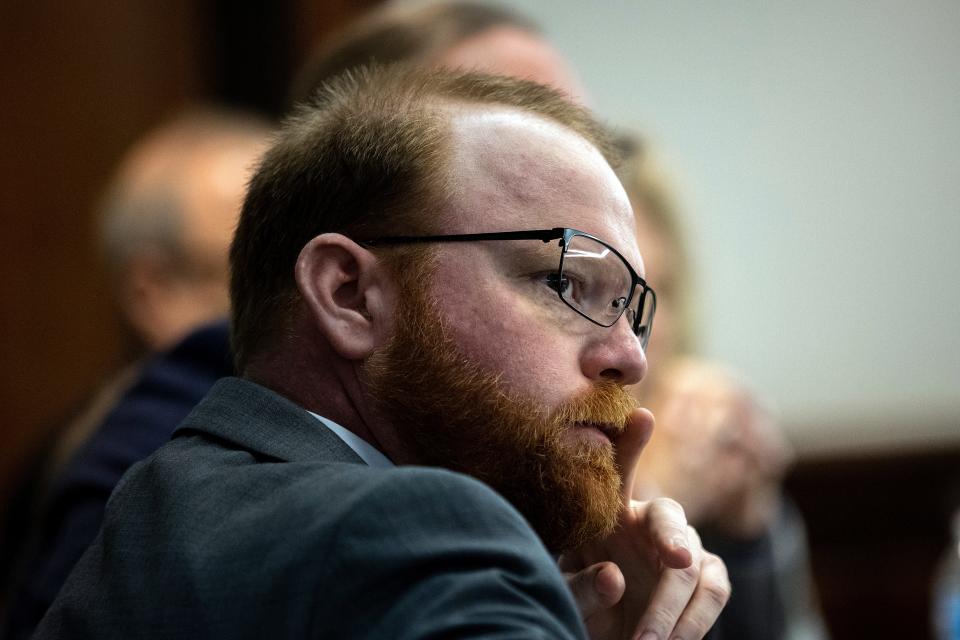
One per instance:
(565, 235)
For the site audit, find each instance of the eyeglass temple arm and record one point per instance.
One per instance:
(545, 235)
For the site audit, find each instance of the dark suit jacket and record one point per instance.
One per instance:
(256, 521)
(166, 389)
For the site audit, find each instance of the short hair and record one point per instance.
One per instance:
(143, 208)
(366, 157)
(401, 33)
(653, 197)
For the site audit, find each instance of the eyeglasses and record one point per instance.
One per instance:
(593, 278)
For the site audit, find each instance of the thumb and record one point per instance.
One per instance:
(629, 445)
(598, 587)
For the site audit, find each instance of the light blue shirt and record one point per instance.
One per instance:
(361, 447)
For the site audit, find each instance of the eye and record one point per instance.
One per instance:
(570, 286)
(560, 284)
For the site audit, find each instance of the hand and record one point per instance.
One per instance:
(717, 450)
(651, 575)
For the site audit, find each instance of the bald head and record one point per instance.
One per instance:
(167, 219)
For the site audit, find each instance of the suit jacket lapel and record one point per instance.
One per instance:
(264, 422)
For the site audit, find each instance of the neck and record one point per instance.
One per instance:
(318, 380)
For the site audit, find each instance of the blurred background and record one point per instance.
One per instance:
(816, 149)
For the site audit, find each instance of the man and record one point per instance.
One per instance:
(360, 297)
(165, 228)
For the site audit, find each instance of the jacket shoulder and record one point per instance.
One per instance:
(331, 550)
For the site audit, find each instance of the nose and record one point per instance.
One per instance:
(615, 354)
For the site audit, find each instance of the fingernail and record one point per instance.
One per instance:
(681, 543)
(649, 635)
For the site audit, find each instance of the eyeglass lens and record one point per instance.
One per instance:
(597, 283)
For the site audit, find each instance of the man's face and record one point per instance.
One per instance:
(489, 372)
(513, 171)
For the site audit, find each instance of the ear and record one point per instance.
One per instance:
(346, 294)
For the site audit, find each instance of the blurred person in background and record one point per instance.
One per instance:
(168, 217)
(165, 226)
(468, 35)
(717, 449)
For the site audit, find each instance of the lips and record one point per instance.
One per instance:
(608, 430)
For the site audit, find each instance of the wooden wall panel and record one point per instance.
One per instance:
(80, 81)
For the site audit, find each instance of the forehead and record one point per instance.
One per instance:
(512, 170)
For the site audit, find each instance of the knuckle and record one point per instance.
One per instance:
(716, 565)
(689, 575)
(696, 624)
(718, 593)
(661, 622)
(717, 588)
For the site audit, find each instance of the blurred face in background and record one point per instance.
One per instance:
(213, 189)
(514, 52)
(168, 289)
(660, 261)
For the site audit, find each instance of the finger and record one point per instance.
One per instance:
(596, 588)
(667, 527)
(629, 445)
(709, 598)
(671, 596)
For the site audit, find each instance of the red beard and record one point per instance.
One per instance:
(451, 413)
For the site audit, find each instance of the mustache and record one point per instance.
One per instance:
(607, 403)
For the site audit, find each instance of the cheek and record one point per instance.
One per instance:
(500, 331)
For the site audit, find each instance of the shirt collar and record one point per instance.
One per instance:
(361, 447)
